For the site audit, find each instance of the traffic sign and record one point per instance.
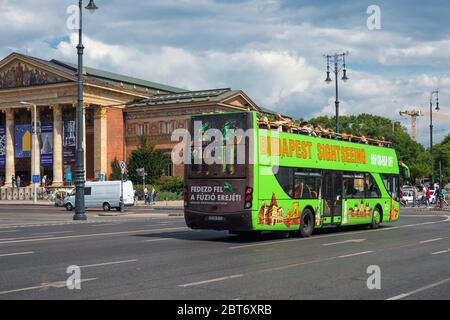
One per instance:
(141, 172)
(123, 165)
(36, 178)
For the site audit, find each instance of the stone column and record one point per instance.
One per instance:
(58, 167)
(100, 141)
(85, 105)
(38, 148)
(9, 163)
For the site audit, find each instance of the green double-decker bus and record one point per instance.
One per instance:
(268, 176)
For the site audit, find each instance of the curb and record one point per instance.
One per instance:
(113, 214)
(428, 209)
(167, 208)
(175, 215)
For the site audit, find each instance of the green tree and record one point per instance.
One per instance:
(153, 161)
(441, 154)
(116, 173)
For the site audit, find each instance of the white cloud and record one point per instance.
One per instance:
(270, 49)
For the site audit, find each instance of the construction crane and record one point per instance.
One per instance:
(414, 114)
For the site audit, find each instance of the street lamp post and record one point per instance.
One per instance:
(79, 179)
(338, 60)
(34, 147)
(434, 97)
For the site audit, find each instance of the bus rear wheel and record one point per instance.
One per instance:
(306, 224)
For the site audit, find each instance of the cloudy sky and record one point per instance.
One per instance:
(271, 49)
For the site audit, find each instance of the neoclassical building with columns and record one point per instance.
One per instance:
(118, 110)
(52, 86)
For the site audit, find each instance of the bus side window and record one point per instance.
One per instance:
(285, 177)
(392, 184)
(354, 186)
(307, 186)
(373, 191)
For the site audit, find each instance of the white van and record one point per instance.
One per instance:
(104, 195)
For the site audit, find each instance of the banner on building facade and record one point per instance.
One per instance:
(69, 142)
(2, 146)
(22, 141)
(47, 145)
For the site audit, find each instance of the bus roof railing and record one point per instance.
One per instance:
(291, 127)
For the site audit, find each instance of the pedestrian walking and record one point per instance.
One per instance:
(415, 193)
(441, 196)
(154, 195)
(18, 181)
(428, 196)
(136, 196)
(13, 181)
(148, 198)
(145, 195)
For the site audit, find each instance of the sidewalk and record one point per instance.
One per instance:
(430, 208)
(169, 205)
(26, 202)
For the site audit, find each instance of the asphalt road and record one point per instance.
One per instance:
(154, 256)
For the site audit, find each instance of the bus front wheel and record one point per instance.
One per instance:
(376, 218)
(307, 223)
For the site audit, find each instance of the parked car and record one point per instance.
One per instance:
(408, 196)
(407, 188)
(105, 195)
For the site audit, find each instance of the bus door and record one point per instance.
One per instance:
(332, 195)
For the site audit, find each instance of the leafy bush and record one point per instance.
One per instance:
(172, 184)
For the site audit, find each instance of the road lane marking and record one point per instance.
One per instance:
(278, 268)
(49, 233)
(441, 252)
(355, 254)
(431, 240)
(92, 235)
(104, 225)
(108, 263)
(15, 254)
(24, 238)
(407, 294)
(344, 242)
(266, 243)
(57, 284)
(9, 231)
(192, 284)
(419, 215)
(154, 240)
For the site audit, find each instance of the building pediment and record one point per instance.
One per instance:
(17, 71)
(240, 100)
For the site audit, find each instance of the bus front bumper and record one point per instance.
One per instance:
(236, 221)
